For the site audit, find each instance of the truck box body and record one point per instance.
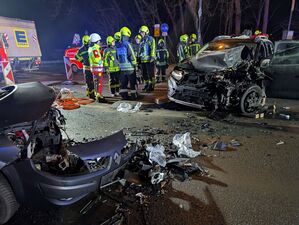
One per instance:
(21, 41)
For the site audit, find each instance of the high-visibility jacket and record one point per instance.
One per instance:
(126, 55)
(162, 56)
(147, 49)
(136, 48)
(194, 48)
(82, 56)
(110, 60)
(183, 51)
(95, 59)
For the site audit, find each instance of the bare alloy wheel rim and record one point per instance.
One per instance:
(252, 101)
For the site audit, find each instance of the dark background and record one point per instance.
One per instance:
(57, 21)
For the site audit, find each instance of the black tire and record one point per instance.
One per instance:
(75, 68)
(252, 100)
(8, 202)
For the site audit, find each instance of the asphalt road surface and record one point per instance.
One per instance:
(256, 183)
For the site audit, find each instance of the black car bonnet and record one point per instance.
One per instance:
(24, 103)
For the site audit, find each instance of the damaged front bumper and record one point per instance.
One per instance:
(173, 88)
(33, 185)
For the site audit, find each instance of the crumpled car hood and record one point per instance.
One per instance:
(218, 60)
(103, 147)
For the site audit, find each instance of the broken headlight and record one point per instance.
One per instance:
(177, 74)
(98, 163)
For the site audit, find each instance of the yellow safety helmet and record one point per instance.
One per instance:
(85, 39)
(184, 38)
(257, 32)
(193, 36)
(144, 29)
(109, 40)
(138, 36)
(125, 31)
(117, 36)
(161, 41)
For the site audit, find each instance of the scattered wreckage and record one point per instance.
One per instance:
(35, 164)
(225, 75)
(38, 167)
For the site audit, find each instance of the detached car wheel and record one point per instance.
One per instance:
(252, 100)
(8, 202)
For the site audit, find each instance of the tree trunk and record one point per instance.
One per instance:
(182, 16)
(238, 17)
(266, 16)
(259, 17)
(199, 19)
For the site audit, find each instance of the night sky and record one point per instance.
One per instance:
(56, 32)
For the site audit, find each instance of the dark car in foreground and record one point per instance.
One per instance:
(36, 165)
(283, 70)
(224, 75)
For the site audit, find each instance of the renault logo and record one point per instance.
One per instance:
(117, 158)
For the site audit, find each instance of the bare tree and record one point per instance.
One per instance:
(237, 17)
(266, 16)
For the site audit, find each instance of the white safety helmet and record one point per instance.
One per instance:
(94, 37)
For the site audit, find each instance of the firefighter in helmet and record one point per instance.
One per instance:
(82, 56)
(111, 65)
(183, 50)
(194, 46)
(162, 60)
(136, 47)
(117, 37)
(147, 55)
(96, 65)
(127, 62)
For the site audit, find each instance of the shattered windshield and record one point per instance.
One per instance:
(222, 45)
(218, 60)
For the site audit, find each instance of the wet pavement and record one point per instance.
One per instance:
(254, 183)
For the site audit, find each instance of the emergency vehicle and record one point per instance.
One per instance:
(21, 43)
(70, 52)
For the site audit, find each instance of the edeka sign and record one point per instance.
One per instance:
(21, 38)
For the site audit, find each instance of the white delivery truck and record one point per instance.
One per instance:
(21, 43)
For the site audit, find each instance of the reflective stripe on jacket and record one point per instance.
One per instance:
(126, 56)
(95, 59)
(110, 59)
(183, 51)
(194, 48)
(147, 49)
(82, 56)
(162, 56)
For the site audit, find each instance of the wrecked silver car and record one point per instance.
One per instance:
(224, 75)
(36, 165)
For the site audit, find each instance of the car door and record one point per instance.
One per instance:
(284, 71)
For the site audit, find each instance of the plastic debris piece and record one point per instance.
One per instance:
(156, 154)
(286, 107)
(183, 142)
(157, 177)
(234, 143)
(284, 116)
(220, 146)
(280, 143)
(128, 108)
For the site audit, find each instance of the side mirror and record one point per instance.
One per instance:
(265, 63)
